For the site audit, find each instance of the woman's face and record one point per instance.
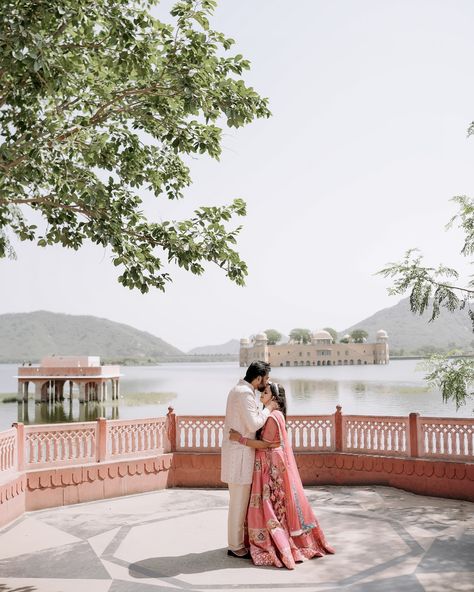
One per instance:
(266, 396)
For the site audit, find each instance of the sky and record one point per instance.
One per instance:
(367, 143)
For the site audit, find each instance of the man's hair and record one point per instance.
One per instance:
(257, 369)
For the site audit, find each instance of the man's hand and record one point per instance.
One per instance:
(272, 406)
(234, 435)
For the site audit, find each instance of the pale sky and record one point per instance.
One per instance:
(371, 101)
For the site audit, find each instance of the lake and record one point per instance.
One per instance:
(201, 389)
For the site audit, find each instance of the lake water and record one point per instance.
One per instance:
(201, 389)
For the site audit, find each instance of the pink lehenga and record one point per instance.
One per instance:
(282, 527)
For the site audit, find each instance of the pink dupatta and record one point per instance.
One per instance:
(299, 515)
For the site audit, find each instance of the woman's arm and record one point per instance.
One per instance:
(236, 436)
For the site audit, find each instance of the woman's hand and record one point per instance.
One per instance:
(234, 435)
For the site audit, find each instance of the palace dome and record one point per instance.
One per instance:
(261, 337)
(244, 341)
(381, 333)
(321, 334)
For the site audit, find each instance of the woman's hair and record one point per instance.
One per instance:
(278, 393)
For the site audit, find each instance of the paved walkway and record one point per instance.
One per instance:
(169, 540)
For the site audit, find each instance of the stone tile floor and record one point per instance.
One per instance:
(175, 539)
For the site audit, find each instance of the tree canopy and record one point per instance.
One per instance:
(433, 288)
(300, 336)
(101, 102)
(359, 335)
(273, 336)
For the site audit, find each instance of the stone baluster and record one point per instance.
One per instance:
(20, 446)
(171, 429)
(101, 444)
(338, 435)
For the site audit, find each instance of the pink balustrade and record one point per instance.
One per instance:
(136, 437)
(311, 433)
(199, 434)
(60, 444)
(375, 435)
(88, 442)
(43, 446)
(446, 438)
(8, 452)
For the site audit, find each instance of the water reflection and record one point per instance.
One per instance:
(359, 388)
(73, 411)
(309, 389)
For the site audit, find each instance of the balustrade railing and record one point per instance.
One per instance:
(61, 444)
(199, 434)
(446, 438)
(376, 435)
(89, 442)
(311, 433)
(8, 452)
(142, 437)
(42, 446)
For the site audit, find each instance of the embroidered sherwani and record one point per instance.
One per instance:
(244, 415)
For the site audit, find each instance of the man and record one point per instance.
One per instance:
(243, 414)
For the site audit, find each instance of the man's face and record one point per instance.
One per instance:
(262, 382)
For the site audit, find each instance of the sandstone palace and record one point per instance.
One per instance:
(320, 352)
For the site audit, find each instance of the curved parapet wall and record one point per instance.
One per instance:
(43, 466)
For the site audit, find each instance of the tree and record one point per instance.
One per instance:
(453, 377)
(433, 288)
(332, 332)
(99, 102)
(359, 335)
(300, 335)
(273, 336)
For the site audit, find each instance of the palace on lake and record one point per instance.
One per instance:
(320, 352)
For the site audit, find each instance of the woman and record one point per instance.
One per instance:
(282, 527)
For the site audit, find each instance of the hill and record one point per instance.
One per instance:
(30, 336)
(231, 347)
(415, 334)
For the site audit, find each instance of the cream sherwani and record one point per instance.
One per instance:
(244, 415)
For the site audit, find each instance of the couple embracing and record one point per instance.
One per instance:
(270, 519)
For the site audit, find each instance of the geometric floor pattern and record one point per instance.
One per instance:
(175, 540)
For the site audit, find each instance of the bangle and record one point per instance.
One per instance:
(243, 441)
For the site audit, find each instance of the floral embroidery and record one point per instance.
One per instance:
(258, 535)
(255, 500)
(272, 524)
(266, 492)
(258, 464)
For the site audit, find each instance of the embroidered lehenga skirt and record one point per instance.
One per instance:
(282, 527)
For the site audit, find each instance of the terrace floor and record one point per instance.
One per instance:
(175, 539)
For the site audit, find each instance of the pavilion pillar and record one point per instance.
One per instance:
(38, 386)
(70, 390)
(82, 392)
(19, 397)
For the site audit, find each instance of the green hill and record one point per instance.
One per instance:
(31, 336)
(414, 334)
